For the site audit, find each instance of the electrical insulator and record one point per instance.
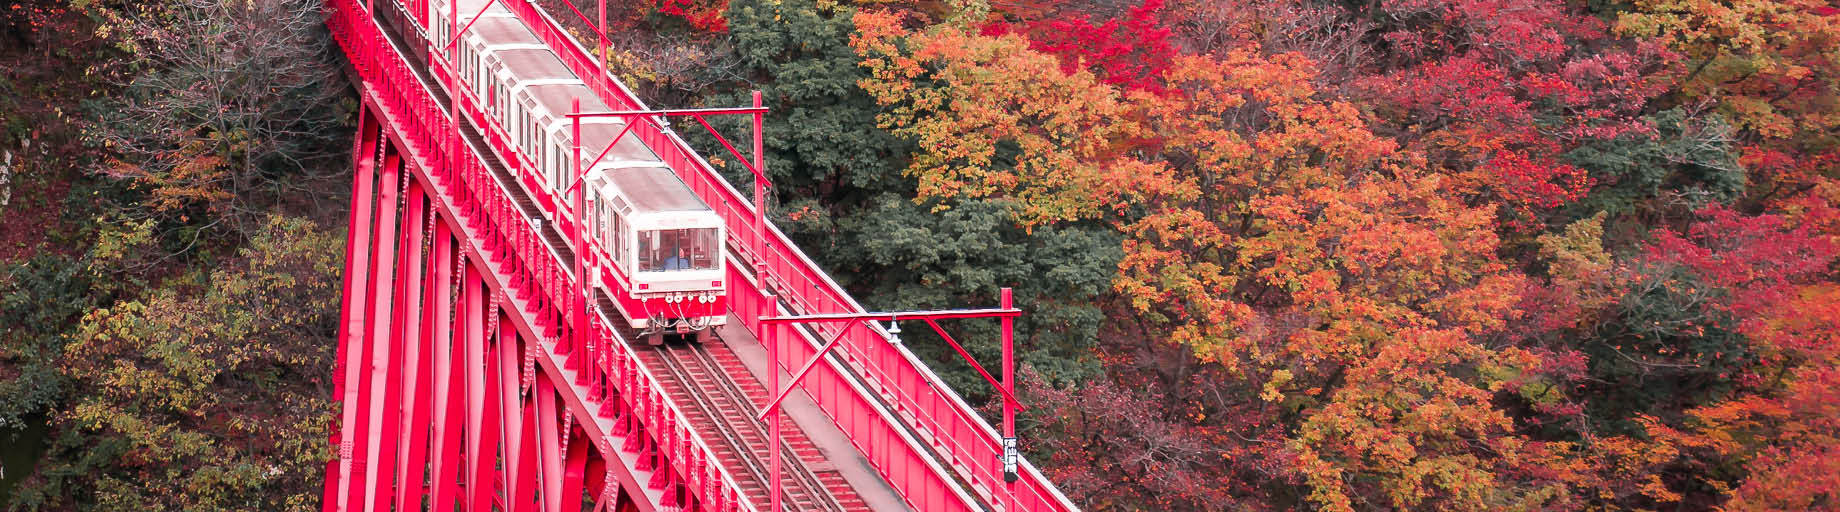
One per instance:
(1010, 459)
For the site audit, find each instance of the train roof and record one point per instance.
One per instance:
(533, 64)
(651, 189)
(595, 137)
(468, 7)
(558, 99)
(496, 29)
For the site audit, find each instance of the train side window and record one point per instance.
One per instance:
(603, 219)
(554, 164)
(597, 220)
(511, 125)
(648, 251)
(563, 168)
(480, 83)
(504, 98)
(523, 129)
(518, 125)
(537, 157)
(617, 233)
(565, 162)
(606, 223)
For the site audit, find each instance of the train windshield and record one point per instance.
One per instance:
(678, 249)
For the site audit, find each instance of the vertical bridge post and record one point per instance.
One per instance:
(770, 336)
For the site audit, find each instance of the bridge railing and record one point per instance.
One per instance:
(627, 391)
(940, 417)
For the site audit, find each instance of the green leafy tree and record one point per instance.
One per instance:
(1690, 156)
(209, 393)
(908, 257)
(1662, 349)
(823, 142)
(38, 299)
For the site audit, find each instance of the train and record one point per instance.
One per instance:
(656, 249)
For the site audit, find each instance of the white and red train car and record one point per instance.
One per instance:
(654, 246)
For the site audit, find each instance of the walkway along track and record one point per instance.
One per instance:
(724, 412)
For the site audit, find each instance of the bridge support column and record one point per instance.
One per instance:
(448, 398)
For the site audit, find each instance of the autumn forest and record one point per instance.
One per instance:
(1273, 254)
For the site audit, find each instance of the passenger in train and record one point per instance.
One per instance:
(678, 261)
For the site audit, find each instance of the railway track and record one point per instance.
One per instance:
(705, 376)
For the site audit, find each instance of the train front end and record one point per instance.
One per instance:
(668, 249)
(678, 273)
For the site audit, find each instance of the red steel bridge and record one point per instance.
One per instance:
(479, 369)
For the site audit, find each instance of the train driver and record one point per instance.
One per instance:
(678, 261)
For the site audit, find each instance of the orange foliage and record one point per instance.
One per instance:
(1336, 280)
(1032, 122)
